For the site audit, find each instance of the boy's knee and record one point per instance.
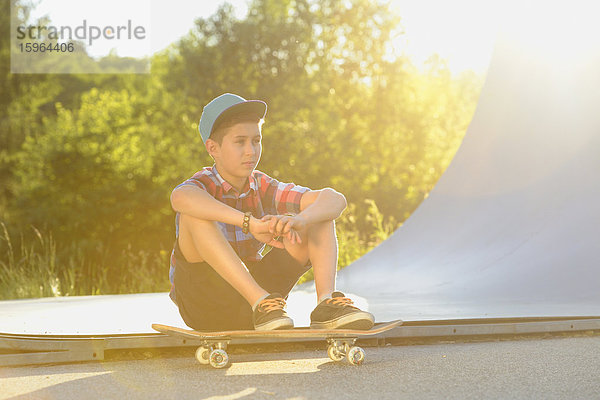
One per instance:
(192, 229)
(191, 232)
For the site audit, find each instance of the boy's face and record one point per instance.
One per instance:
(239, 153)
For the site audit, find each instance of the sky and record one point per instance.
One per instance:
(462, 31)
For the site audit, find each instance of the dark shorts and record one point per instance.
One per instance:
(208, 303)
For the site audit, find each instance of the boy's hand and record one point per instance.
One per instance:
(286, 225)
(260, 230)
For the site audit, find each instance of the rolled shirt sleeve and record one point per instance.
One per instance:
(279, 198)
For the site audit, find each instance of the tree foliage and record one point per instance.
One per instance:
(93, 158)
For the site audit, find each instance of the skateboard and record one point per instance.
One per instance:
(214, 344)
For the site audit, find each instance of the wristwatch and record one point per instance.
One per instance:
(246, 223)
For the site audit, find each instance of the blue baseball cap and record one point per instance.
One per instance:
(225, 106)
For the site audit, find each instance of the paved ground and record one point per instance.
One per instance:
(566, 368)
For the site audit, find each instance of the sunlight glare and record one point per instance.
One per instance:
(461, 31)
(563, 30)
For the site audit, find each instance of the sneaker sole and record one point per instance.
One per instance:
(280, 323)
(358, 320)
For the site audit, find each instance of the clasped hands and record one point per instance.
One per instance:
(270, 228)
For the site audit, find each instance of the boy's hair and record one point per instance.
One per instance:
(221, 127)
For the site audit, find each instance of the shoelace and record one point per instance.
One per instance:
(272, 304)
(341, 301)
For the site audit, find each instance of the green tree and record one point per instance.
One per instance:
(90, 160)
(94, 175)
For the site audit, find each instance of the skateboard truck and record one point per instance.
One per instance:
(339, 349)
(213, 353)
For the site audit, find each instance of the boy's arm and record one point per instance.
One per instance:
(322, 205)
(198, 203)
(315, 206)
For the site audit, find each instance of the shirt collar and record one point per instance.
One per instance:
(250, 184)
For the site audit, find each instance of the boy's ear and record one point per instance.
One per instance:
(211, 146)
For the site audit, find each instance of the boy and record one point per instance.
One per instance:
(228, 212)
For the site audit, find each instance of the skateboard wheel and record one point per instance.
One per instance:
(218, 358)
(356, 355)
(202, 355)
(334, 353)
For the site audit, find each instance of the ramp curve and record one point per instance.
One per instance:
(512, 227)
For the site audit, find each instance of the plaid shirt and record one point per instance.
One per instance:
(262, 195)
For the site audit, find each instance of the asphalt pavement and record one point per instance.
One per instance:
(554, 368)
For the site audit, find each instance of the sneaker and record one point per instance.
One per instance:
(270, 315)
(338, 312)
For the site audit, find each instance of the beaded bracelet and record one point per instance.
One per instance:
(246, 223)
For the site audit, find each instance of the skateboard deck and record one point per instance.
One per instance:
(341, 341)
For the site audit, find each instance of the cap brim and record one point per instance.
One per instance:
(254, 107)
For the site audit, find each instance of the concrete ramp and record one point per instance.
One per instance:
(512, 228)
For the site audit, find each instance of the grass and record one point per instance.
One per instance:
(31, 270)
(40, 268)
(35, 266)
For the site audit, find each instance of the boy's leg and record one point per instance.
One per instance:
(334, 310)
(201, 240)
(319, 245)
(206, 301)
